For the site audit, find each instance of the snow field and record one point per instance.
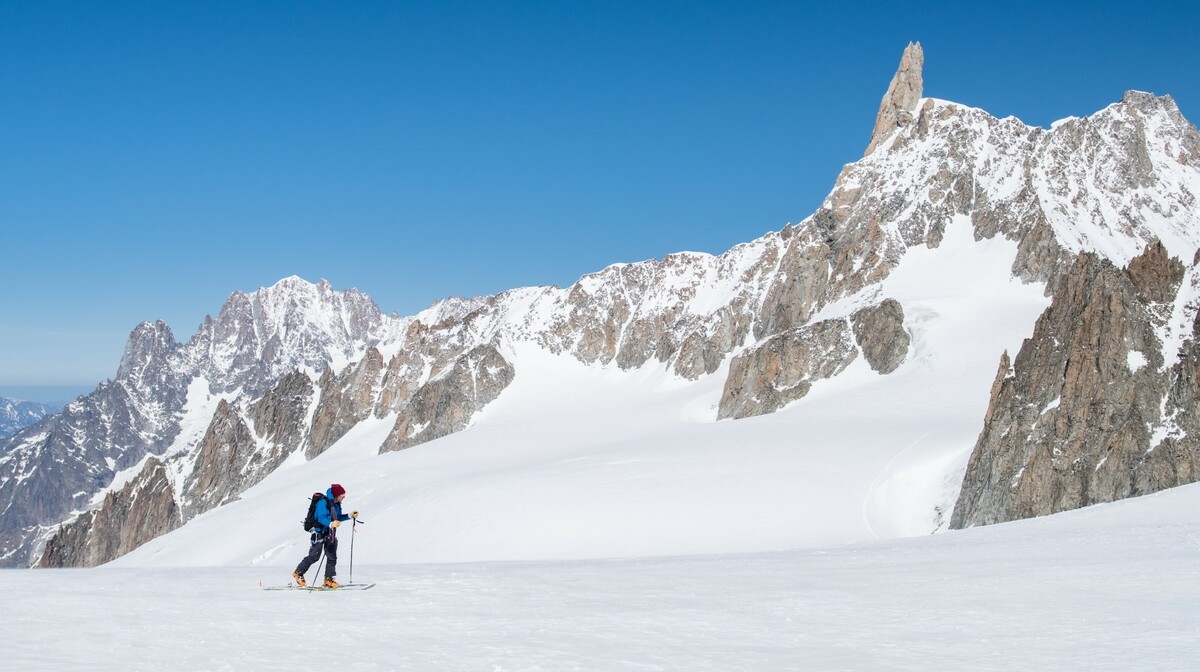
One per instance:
(1107, 588)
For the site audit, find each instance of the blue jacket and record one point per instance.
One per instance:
(322, 513)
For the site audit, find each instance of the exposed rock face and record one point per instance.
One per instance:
(1175, 460)
(1055, 191)
(256, 340)
(631, 314)
(429, 348)
(281, 419)
(227, 449)
(346, 400)
(143, 510)
(803, 281)
(901, 98)
(447, 403)
(1073, 422)
(784, 368)
(879, 331)
(1155, 275)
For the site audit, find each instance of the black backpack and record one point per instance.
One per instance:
(310, 520)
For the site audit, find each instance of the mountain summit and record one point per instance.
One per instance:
(903, 94)
(845, 378)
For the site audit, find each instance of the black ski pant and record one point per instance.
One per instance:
(328, 541)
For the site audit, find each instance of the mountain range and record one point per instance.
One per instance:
(1006, 315)
(16, 414)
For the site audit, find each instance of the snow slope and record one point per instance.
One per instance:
(1112, 587)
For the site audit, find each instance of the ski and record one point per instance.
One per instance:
(344, 586)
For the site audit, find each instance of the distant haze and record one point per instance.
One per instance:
(45, 394)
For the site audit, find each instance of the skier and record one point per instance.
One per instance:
(328, 515)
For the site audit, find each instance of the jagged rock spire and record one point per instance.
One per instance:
(901, 98)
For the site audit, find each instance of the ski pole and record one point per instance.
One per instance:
(322, 562)
(353, 533)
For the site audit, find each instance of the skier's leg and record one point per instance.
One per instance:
(331, 544)
(314, 554)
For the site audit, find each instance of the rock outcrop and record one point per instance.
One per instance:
(879, 332)
(227, 449)
(784, 368)
(143, 510)
(281, 419)
(900, 102)
(1092, 409)
(446, 404)
(347, 399)
(1174, 458)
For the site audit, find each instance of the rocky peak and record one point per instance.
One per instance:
(1155, 274)
(903, 94)
(1109, 183)
(151, 388)
(452, 309)
(149, 349)
(261, 336)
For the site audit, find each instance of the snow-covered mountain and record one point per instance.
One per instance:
(16, 414)
(851, 360)
(51, 471)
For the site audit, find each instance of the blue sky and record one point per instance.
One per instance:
(159, 155)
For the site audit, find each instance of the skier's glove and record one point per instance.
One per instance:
(354, 515)
(335, 523)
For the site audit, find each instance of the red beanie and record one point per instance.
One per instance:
(337, 490)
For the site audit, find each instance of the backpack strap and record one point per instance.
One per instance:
(328, 508)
